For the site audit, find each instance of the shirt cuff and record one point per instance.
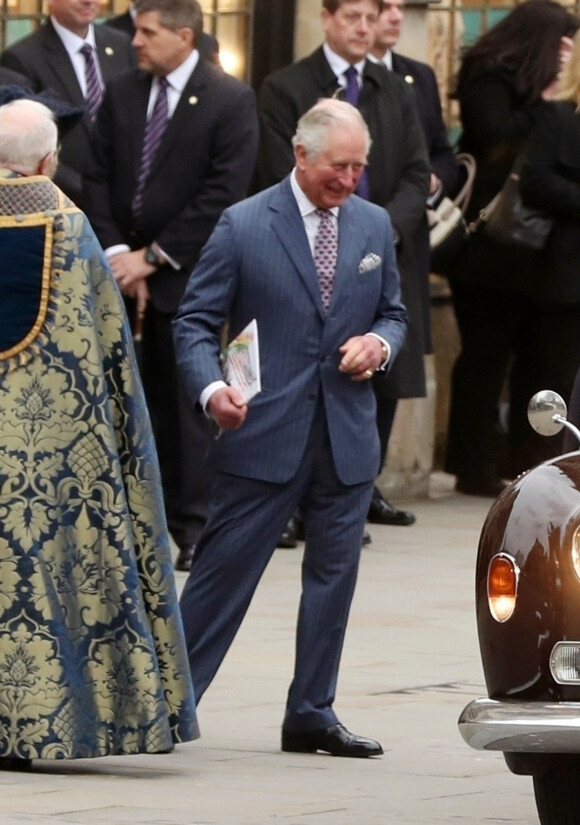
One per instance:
(387, 347)
(207, 393)
(114, 250)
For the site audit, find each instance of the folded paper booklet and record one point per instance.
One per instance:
(241, 362)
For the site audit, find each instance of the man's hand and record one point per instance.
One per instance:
(227, 407)
(140, 292)
(361, 357)
(129, 268)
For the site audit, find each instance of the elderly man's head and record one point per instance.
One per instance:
(28, 138)
(331, 146)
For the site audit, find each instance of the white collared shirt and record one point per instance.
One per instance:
(339, 65)
(386, 59)
(176, 82)
(73, 44)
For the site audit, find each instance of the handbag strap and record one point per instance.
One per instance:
(464, 195)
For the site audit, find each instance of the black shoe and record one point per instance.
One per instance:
(381, 512)
(336, 740)
(12, 763)
(185, 557)
(366, 540)
(289, 538)
(486, 487)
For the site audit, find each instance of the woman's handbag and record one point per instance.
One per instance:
(508, 220)
(447, 226)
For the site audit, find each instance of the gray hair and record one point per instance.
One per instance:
(313, 127)
(174, 14)
(28, 133)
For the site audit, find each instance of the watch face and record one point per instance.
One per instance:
(150, 256)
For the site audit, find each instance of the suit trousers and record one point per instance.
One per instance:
(246, 519)
(183, 436)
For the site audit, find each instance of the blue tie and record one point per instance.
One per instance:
(351, 95)
(352, 91)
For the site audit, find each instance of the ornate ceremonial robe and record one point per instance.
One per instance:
(92, 658)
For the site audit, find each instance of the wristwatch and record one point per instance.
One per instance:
(151, 256)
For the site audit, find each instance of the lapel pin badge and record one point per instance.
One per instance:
(409, 78)
(109, 51)
(193, 100)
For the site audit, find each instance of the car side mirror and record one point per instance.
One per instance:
(547, 412)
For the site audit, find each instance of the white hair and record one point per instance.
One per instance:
(28, 133)
(313, 127)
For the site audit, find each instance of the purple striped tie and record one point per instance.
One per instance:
(325, 252)
(154, 131)
(94, 93)
(351, 95)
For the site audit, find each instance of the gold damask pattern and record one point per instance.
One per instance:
(92, 658)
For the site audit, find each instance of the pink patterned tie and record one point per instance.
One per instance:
(154, 131)
(325, 252)
(94, 89)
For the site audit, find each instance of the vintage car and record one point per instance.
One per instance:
(528, 620)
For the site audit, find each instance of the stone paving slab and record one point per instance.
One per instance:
(410, 664)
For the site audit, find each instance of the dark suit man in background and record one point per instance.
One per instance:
(206, 44)
(53, 59)
(153, 207)
(303, 256)
(397, 175)
(421, 77)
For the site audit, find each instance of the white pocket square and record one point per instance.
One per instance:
(369, 262)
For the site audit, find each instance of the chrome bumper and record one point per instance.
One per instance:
(521, 727)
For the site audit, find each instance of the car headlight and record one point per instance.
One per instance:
(565, 663)
(502, 586)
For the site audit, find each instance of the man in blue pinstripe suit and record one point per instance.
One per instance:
(309, 438)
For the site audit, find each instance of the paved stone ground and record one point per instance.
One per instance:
(410, 664)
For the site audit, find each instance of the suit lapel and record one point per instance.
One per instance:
(60, 63)
(139, 105)
(351, 240)
(108, 58)
(288, 226)
(193, 92)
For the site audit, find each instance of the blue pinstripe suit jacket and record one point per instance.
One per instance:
(258, 264)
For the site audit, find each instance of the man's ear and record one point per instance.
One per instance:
(47, 165)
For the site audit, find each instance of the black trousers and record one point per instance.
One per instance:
(183, 435)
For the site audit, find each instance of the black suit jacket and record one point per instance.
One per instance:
(43, 59)
(206, 44)
(421, 78)
(550, 180)
(10, 78)
(204, 164)
(398, 175)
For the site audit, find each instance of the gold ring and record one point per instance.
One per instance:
(369, 373)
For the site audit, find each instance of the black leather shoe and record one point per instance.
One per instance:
(381, 512)
(335, 740)
(486, 487)
(11, 763)
(366, 539)
(289, 538)
(185, 557)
